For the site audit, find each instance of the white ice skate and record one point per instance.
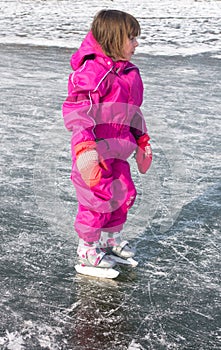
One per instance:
(119, 250)
(123, 254)
(95, 262)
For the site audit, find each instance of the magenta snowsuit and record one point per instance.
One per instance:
(103, 106)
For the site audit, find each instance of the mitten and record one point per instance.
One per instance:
(89, 163)
(143, 154)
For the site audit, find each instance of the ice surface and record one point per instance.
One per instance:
(172, 299)
(169, 27)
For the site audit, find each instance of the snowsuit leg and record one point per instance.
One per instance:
(104, 207)
(124, 196)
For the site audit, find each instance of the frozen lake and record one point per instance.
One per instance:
(172, 299)
(168, 26)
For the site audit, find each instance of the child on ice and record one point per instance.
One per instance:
(102, 111)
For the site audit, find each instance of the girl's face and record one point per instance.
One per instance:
(129, 48)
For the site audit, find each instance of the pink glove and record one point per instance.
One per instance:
(89, 163)
(143, 154)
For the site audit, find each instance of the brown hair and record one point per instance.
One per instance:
(111, 28)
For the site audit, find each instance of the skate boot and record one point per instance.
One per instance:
(113, 244)
(94, 261)
(90, 254)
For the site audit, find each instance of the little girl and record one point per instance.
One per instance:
(102, 111)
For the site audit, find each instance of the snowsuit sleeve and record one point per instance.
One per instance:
(77, 108)
(138, 125)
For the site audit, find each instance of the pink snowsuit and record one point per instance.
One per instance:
(103, 106)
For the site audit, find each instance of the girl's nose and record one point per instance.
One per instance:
(136, 43)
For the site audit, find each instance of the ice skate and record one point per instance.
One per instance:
(119, 250)
(96, 258)
(95, 262)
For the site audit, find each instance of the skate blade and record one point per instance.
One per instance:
(101, 272)
(129, 261)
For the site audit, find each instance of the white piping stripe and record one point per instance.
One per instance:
(80, 69)
(102, 79)
(90, 103)
(72, 78)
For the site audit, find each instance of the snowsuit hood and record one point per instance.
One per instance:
(89, 48)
